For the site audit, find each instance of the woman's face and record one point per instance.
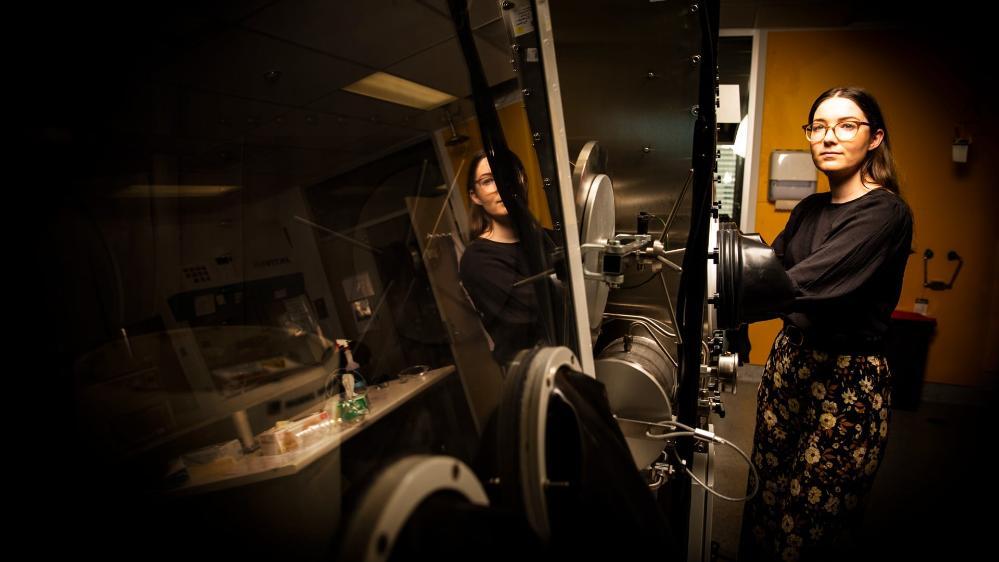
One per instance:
(485, 192)
(832, 155)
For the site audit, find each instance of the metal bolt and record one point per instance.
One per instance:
(694, 8)
(507, 5)
(646, 149)
(547, 182)
(695, 60)
(526, 92)
(536, 137)
(695, 110)
(652, 75)
(272, 75)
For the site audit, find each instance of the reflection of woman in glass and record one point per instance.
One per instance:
(493, 262)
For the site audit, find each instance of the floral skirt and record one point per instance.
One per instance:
(821, 424)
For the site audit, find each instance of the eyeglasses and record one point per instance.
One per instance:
(487, 182)
(844, 131)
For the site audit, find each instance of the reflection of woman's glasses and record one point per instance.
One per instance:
(845, 131)
(487, 182)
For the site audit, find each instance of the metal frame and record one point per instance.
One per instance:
(757, 81)
(702, 505)
(573, 257)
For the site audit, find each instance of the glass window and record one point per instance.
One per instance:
(268, 280)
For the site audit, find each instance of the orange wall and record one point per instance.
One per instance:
(924, 96)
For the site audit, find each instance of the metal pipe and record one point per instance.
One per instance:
(669, 307)
(663, 329)
(358, 243)
(669, 264)
(645, 325)
(534, 277)
(676, 206)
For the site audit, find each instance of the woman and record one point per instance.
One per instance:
(823, 403)
(493, 262)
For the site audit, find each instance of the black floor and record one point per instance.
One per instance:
(934, 496)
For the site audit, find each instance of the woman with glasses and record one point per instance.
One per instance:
(824, 401)
(494, 262)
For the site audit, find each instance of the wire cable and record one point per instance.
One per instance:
(707, 437)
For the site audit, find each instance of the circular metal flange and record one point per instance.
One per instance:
(728, 369)
(597, 227)
(594, 192)
(538, 387)
(591, 162)
(396, 493)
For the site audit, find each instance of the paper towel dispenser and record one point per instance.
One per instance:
(792, 177)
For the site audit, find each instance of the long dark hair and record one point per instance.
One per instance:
(479, 221)
(879, 164)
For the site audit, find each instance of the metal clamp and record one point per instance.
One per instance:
(622, 246)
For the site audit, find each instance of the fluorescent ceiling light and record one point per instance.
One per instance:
(387, 87)
(176, 190)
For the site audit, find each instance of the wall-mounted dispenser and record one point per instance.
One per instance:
(792, 178)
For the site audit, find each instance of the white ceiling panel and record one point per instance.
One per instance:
(307, 129)
(480, 12)
(375, 33)
(443, 67)
(218, 116)
(237, 61)
(365, 108)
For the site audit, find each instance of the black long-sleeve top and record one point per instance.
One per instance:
(488, 271)
(846, 261)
